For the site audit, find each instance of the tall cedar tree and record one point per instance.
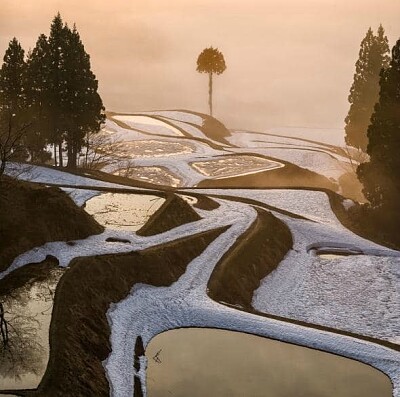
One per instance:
(63, 97)
(38, 104)
(12, 102)
(57, 49)
(81, 103)
(364, 93)
(211, 61)
(381, 175)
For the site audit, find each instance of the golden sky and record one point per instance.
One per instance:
(288, 62)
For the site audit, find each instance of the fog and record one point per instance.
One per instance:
(289, 63)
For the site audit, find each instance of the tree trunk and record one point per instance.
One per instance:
(2, 166)
(55, 154)
(60, 155)
(210, 83)
(72, 153)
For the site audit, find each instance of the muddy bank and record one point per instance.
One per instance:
(173, 213)
(27, 275)
(33, 214)
(79, 331)
(254, 255)
(379, 226)
(288, 176)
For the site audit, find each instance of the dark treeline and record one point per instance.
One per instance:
(48, 98)
(364, 93)
(373, 126)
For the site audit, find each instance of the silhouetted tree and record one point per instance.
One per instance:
(381, 175)
(38, 95)
(57, 50)
(13, 121)
(364, 93)
(82, 106)
(211, 61)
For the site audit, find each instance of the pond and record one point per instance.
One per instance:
(230, 166)
(123, 211)
(28, 314)
(209, 362)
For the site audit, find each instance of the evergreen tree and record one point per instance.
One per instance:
(211, 61)
(57, 50)
(81, 103)
(37, 96)
(381, 175)
(364, 93)
(12, 101)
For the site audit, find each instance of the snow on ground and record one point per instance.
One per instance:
(80, 196)
(149, 124)
(320, 162)
(38, 174)
(190, 129)
(186, 117)
(314, 156)
(186, 304)
(122, 134)
(243, 138)
(357, 293)
(332, 136)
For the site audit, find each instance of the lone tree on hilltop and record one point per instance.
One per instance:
(364, 93)
(381, 175)
(211, 61)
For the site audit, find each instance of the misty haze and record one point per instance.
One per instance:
(200, 198)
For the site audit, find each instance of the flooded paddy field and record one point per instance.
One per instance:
(123, 211)
(229, 166)
(209, 362)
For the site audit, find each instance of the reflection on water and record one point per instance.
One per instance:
(335, 253)
(156, 175)
(152, 148)
(205, 362)
(24, 357)
(123, 211)
(230, 166)
(332, 255)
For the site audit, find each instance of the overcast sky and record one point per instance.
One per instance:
(289, 63)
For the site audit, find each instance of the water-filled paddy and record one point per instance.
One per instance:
(28, 314)
(206, 362)
(229, 166)
(123, 211)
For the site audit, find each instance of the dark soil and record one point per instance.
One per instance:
(253, 256)
(79, 331)
(288, 176)
(33, 214)
(169, 216)
(381, 226)
(27, 275)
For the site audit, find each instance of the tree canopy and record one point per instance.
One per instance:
(55, 90)
(211, 61)
(364, 92)
(381, 175)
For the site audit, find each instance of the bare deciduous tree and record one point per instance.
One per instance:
(10, 141)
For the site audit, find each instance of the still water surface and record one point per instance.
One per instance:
(28, 313)
(207, 362)
(123, 211)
